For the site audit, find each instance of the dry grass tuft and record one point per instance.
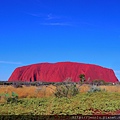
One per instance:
(84, 88)
(111, 88)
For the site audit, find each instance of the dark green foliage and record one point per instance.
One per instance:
(17, 85)
(82, 78)
(39, 83)
(1, 82)
(98, 82)
(27, 84)
(13, 98)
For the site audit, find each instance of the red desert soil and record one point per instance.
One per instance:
(97, 112)
(58, 72)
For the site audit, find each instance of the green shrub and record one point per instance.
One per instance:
(82, 78)
(13, 98)
(94, 88)
(66, 89)
(98, 82)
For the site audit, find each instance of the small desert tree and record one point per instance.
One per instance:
(82, 78)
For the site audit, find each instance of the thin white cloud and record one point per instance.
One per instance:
(9, 62)
(56, 24)
(44, 16)
(35, 14)
(51, 17)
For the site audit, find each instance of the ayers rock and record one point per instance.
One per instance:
(58, 72)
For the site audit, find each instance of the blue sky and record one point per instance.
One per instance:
(34, 31)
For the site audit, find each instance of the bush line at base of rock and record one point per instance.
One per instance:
(39, 83)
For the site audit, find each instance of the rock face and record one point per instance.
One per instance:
(58, 72)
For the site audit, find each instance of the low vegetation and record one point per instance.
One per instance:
(66, 98)
(84, 103)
